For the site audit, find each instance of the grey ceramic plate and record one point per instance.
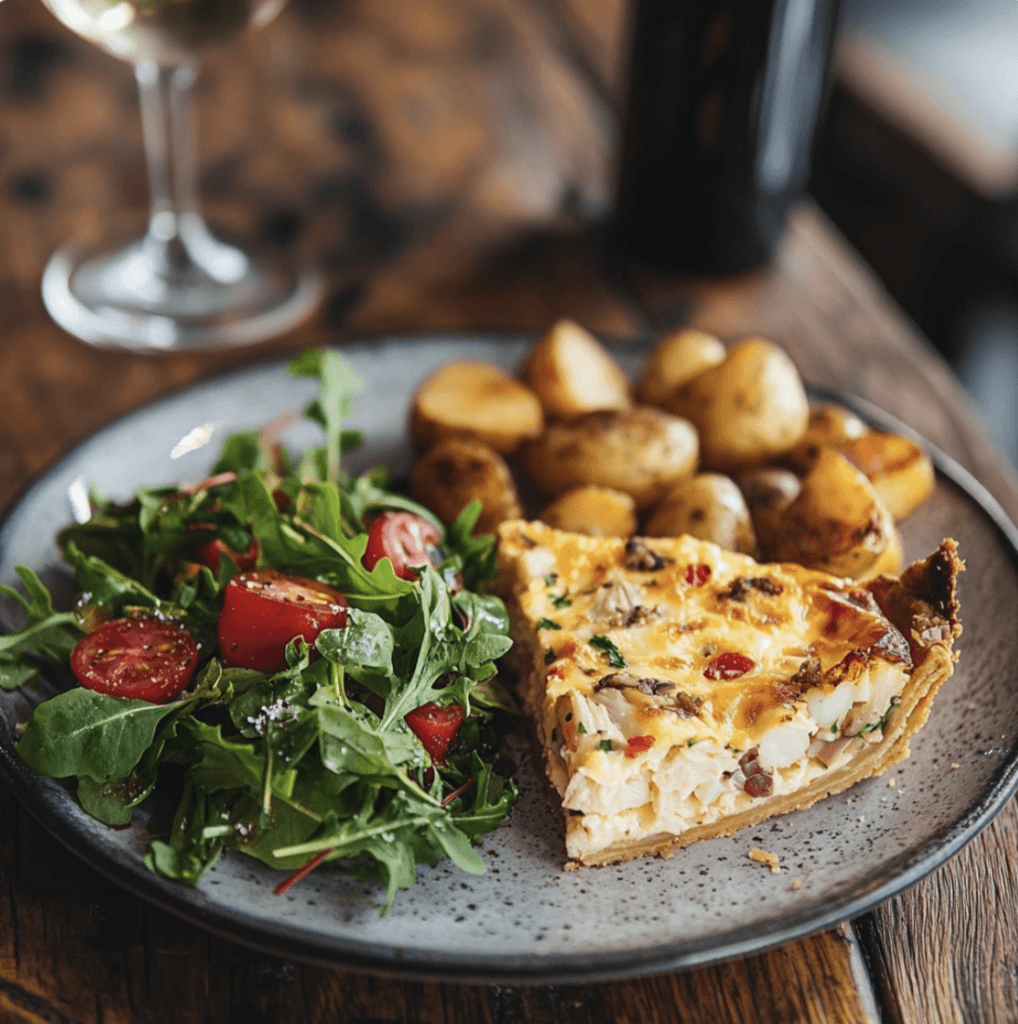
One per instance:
(527, 919)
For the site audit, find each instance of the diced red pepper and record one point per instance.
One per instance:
(729, 665)
(638, 744)
(697, 574)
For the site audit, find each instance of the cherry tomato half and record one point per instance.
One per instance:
(265, 609)
(435, 727)
(405, 539)
(138, 659)
(211, 554)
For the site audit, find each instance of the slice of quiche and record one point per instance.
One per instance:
(680, 691)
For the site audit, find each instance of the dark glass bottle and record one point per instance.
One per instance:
(723, 101)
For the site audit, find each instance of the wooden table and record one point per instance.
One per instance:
(446, 162)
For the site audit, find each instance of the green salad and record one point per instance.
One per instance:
(298, 664)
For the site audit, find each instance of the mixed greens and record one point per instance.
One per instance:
(313, 763)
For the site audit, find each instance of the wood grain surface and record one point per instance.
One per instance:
(447, 163)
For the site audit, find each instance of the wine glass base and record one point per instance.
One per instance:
(126, 299)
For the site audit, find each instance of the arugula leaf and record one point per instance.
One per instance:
(476, 554)
(50, 634)
(80, 732)
(340, 384)
(241, 453)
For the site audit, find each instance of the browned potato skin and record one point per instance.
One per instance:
(900, 471)
(641, 452)
(678, 357)
(595, 511)
(768, 492)
(476, 401)
(891, 560)
(837, 522)
(749, 409)
(454, 472)
(707, 506)
(572, 374)
(829, 426)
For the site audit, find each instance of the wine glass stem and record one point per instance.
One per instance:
(167, 119)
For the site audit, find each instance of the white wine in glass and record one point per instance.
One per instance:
(178, 287)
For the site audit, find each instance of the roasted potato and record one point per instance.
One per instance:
(708, 506)
(572, 374)
(454, 472)
(641, 452)
(749, 409)
(678, 357)
(595, 511)
(900, 471)
(477, 401)
(829, 426)
(891, 560)
(768, 492)
(836, 523)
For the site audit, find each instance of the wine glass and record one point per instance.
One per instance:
(178, 287)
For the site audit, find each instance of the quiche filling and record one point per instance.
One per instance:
(675, 686)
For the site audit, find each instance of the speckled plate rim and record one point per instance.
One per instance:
(46, 800)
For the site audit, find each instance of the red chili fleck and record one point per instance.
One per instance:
(556, 672)
(729, 665)
(697, 574)
(638, 744)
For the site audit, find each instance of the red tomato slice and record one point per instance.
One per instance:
(265, 609)
(211, 554)
(403, 538)
(138, 659)
(435, 727)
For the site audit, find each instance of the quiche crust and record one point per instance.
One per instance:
(680, 692)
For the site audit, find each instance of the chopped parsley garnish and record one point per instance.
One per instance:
(561, 601)
(580, 727)
(606, 746)
(549, 580)
(548, 624)
(606, 646)
(549, 656)
(834, 728)
(882, 724)
(821, 763)
(690, 741)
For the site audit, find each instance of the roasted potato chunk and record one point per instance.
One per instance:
(641, 452)
(678, 357)
(454, 472)
(572, 374)
(477, 401)
(768, 492)
(595, 511)
(708, 506)
(837, 522)
(829, 426)
(749, 409)
(891, 560)
(900, 471)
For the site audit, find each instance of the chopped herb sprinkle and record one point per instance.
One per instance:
(561, 601)
(606, 646)
(548, 624)
(549, 656)
(690, 741)
(606, 746)
(580, 727)
(821, 763)
(549, 580)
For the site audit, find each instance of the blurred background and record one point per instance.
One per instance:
(917, 163)
(350, 132)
